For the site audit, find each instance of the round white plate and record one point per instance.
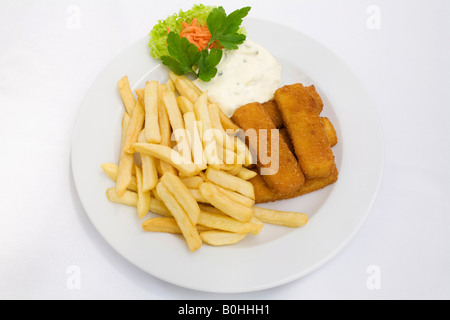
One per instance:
(278, 254)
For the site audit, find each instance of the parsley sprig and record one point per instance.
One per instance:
(184, 57)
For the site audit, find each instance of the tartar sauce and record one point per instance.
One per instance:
(247, 74)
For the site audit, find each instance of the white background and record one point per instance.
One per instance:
(50, 54)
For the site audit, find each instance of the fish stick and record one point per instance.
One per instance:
(271, 109)
(263, 193)
(313, 92)
(330, 131)
(300, 113)
(289, 176)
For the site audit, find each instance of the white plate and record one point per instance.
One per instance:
(278, 254)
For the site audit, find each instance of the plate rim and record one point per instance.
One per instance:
(284, 280)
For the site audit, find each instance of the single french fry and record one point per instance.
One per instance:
(246, 174)
(244, 154)
(157, 206)
(126, 94)
(224, 203)
(166, 131)
(152, 131)
(161, 224)
(282, 218)
(235, 170)
(224, 222)
(177, 124)
(227, 123)
(221, 238)
(174, 77)
(112, 171)
(228, 181)
(228, 158)
(236, 197)
(188, 230)
(149, 168)
(144, 197)
(207, 135)
(140, 93)
(168, 155)
(129, 198)
(259, 225)
(198, 196)
(126, 160)
(196, 145)
(170, 85)
(329, 129)
(192, 182)
(209, 208)
(185, 90)
(222, 138)
(185, 104)
(167, 225)
(181, 193)
(135, 127)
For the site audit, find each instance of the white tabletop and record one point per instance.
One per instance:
(50, 54)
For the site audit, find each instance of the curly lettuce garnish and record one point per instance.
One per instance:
(197, 47)
(158, 35)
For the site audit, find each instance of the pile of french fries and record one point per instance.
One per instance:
(178, 160)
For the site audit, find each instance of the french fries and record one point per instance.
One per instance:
(168, 155)
(152, 133)
(166, 225)
(149, 168)
(144, 197)
(187, 228)
(228, 181)
(176, 160)
(181, 193)
(224, 203)
(126, 160)
(282, 218)
(221, 238)
(112, 171)
(129, 198)
(225, 223)
(126, 94)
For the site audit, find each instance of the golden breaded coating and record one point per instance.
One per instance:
(313, 92)
(289, 177)
(285, 134)
(300, 113)
(265, 194)
(272, 110)
(329, 129)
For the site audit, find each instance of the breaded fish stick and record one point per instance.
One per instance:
(300, 113)
(272, 110)
(289, 177)
(329, 129)
(312, 91)
(265, 194)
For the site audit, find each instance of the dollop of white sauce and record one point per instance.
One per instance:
(247, 74)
